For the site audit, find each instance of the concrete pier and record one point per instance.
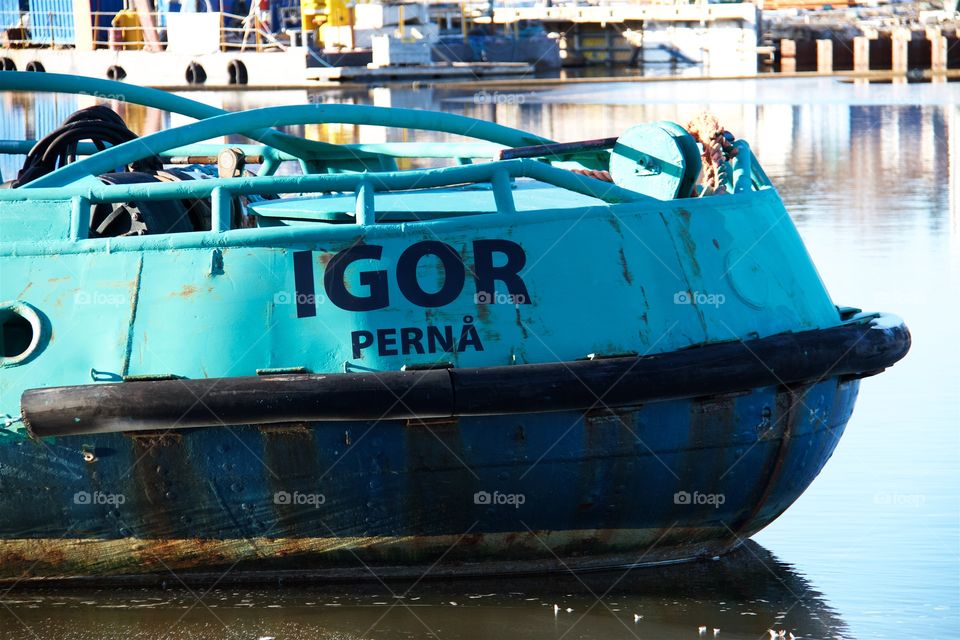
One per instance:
(898, 50)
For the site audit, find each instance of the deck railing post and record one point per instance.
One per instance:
(79, 218)
(365, 210)
(742, 167)
(503, 191)
(219, 209)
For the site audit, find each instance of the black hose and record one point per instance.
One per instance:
(99, 124)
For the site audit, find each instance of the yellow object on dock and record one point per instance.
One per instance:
(127, 34)
(322, 16)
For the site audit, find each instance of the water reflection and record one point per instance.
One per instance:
(742, 595)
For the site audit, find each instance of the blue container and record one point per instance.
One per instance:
(51, 22)
(9, 14)
(276, 15)
(103, 12)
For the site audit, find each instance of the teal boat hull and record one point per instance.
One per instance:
(485, 369)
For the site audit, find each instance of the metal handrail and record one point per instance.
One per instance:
(54, 22)
(323, 183)
(221, 191)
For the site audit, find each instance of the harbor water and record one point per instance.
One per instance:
(870, 173)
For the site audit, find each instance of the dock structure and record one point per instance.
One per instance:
(899, 50)
(213, 49)
(439, 39)
(899, 39)
(721, 37)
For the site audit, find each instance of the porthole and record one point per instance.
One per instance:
(21, 332)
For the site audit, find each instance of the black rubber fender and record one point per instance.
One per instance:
(195, 73)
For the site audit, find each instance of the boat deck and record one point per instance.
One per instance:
(399, 206)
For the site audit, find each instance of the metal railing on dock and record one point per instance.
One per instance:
(123, 30)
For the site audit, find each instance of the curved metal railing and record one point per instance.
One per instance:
(264, 132)
(259, 119)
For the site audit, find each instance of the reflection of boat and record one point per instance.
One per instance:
(743, 594)
(402, 369)
(532, 45)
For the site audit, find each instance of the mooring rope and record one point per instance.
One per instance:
(718, 148)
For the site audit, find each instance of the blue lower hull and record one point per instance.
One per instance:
(665, 481)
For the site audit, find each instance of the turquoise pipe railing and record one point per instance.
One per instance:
(746, 171)
(254, 119)
(298, 147)
(364, 185)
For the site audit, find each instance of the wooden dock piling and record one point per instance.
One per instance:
(861, 53)
(938, 49)
(900, 50)
(788, 56)
(825, 56)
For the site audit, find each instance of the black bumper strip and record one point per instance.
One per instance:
(854, 349)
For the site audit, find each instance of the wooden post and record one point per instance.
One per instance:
(825, 56)
(788, 56)
(938, 49)
(861, 53)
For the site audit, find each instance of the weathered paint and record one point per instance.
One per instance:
(619, 316)
(397, 495)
